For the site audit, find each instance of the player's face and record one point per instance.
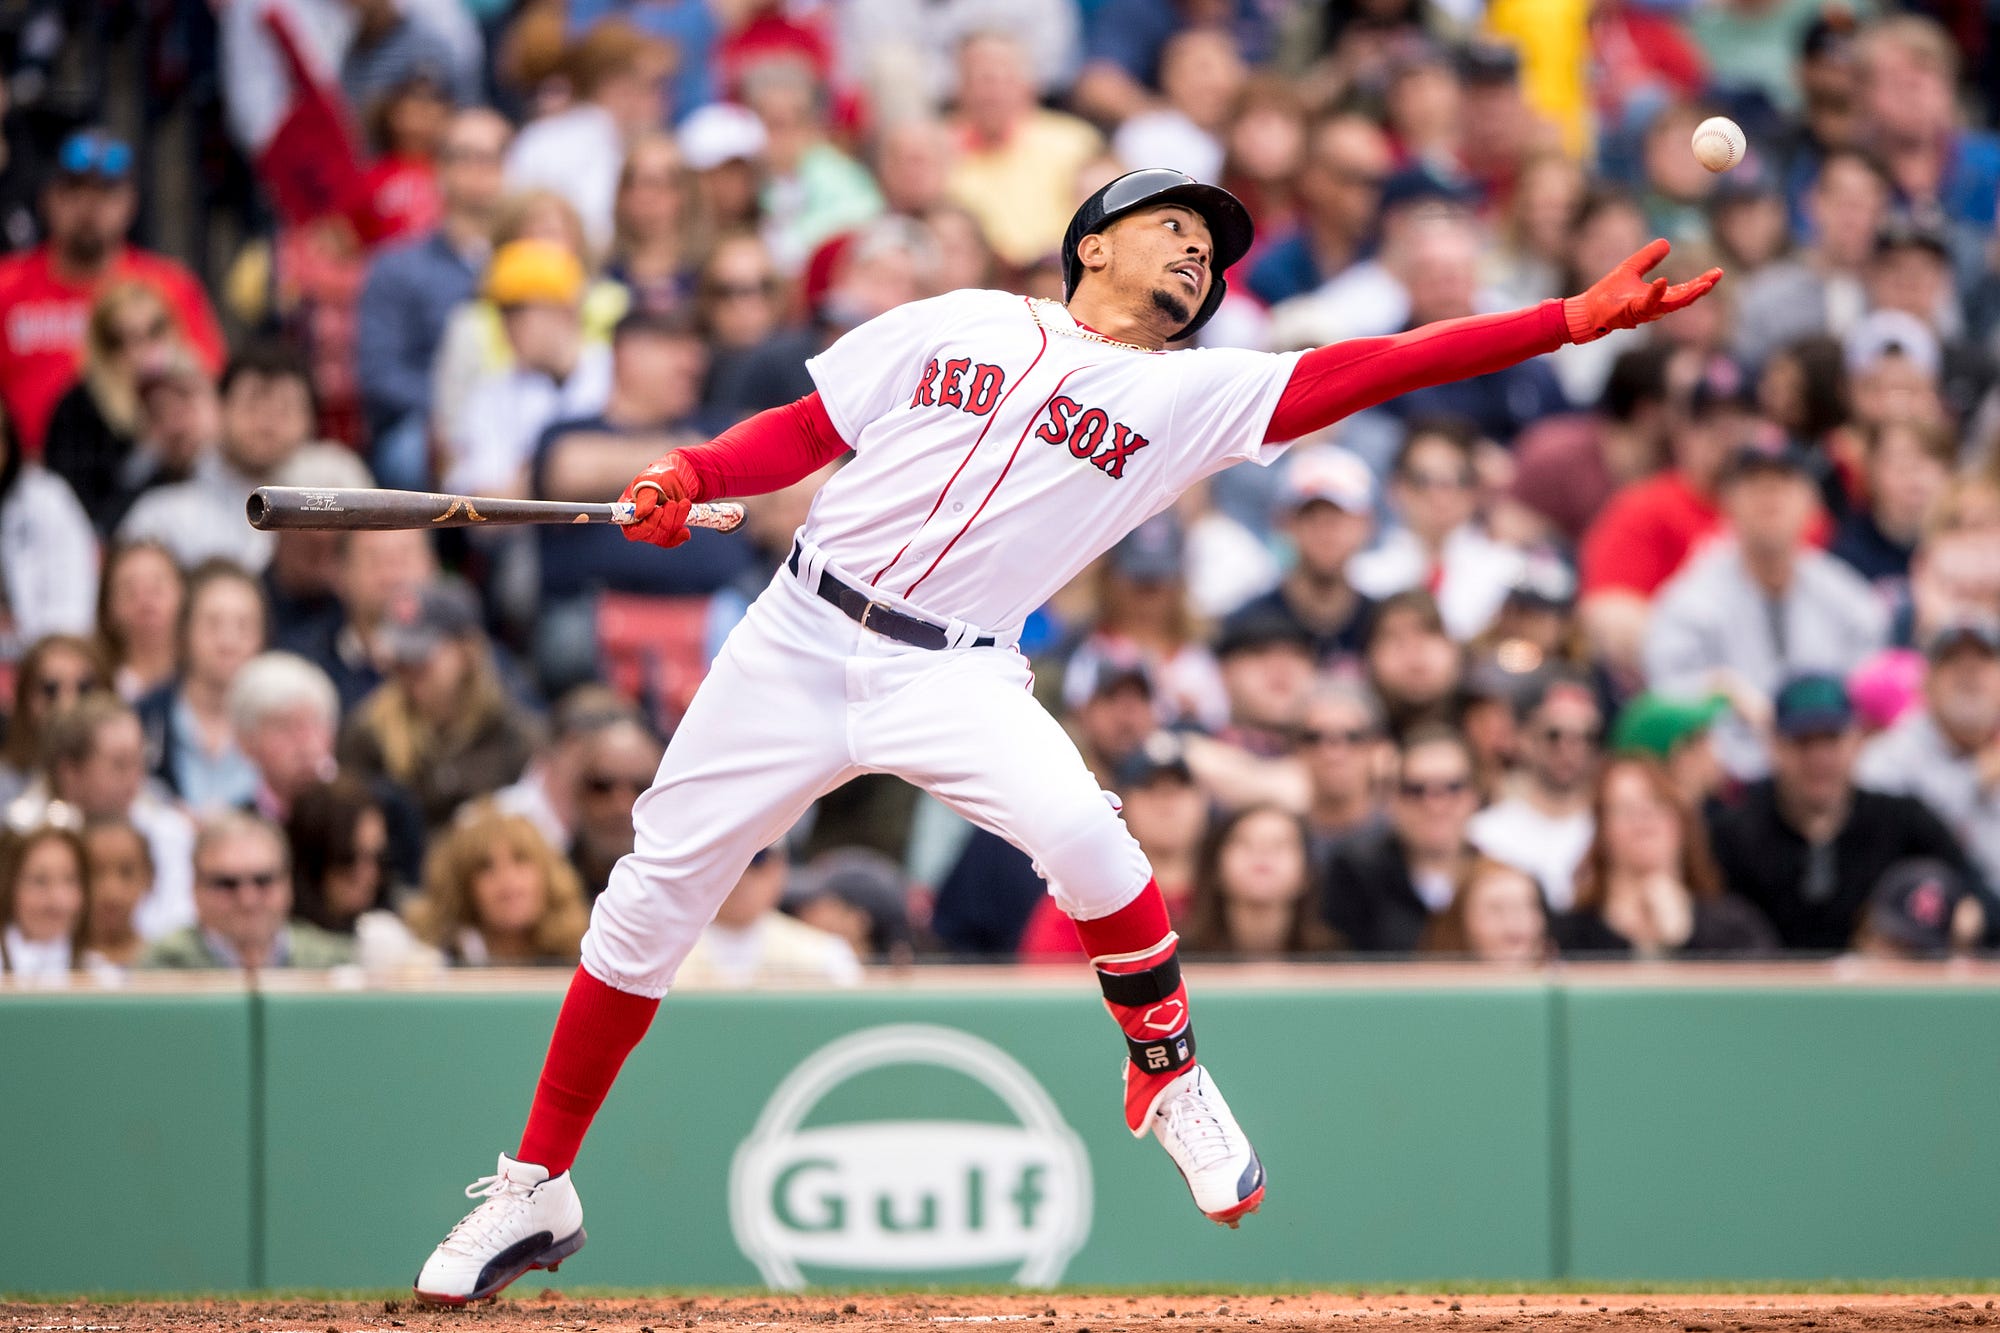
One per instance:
(1162, 255)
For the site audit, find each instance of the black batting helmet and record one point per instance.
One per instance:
(1228, 222)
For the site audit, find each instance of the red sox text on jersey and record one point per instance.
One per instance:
(975, 387)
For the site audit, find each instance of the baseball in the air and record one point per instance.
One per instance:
(1719, 143)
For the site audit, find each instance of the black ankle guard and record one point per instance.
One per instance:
(1164, 1056)
(1133, 989)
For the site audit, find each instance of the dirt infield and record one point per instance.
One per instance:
(551, 1312)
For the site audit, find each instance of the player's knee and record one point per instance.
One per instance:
(1093, 864)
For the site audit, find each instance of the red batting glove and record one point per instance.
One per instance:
(660, 497)
(1623, 299)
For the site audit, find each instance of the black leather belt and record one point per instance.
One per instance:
(863, 610)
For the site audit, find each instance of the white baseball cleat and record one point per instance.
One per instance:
(1193, 1123)
(527, 1221)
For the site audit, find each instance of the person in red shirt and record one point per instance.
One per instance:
(46, 293)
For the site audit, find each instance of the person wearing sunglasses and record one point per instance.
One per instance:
(243, 905)
(1384, 885)
(53, 674)
(132, 335)
(1543, 827)
(619, 761)
(87, 207)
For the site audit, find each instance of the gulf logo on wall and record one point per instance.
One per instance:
(910, 1195)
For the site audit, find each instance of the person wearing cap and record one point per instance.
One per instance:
(411, 289)
(1267, 669)
(1920, 911)
(1947, 752)
(1438, 544)
(1543, 827)
(1807, 845)
(1763, 603)
(618, 74)
(1912, 274)
(657, 367)
(440, 723)
(723, 145)
(858, 895)
(88, 204)
(267, 416)
(751, 944)
(1143, 617)
(1675, 732)
(1327, 510)
(538, 287)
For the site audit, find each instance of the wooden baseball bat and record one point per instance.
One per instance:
(274, 508)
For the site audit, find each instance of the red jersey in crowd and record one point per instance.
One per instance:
(1645, 535)
(42, 322)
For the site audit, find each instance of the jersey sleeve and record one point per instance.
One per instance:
(1223, 400)
(871, 368)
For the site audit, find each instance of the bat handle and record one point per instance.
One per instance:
(724, 516)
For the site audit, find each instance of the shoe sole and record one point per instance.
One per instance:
(549, 1259)
(1233, 1217)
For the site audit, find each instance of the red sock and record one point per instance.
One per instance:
(1138, 966)
(597, 1029)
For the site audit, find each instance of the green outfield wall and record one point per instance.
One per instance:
(1515, 1132)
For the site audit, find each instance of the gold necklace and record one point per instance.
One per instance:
(1067, 325)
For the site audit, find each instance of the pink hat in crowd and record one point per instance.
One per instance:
(1886, 686)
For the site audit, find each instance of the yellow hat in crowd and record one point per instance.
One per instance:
(530, 272)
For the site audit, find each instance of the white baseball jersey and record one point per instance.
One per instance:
(999, 447)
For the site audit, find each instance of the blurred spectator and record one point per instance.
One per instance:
(1533, 256)
(130, 334)
(858, 895)
(1894, 369)
(55, 672)
(1413, 665)
(1496, 916)
(912, 163)
(1544, 827)
(1762, 604)
(905, 47)
(1676, 186)
(1675, 733)
(243, 895)
(1819, 287)
(1920, 910)
(549, 790)
(658, 363)
(180, 426)
(989, 900)
(1343, 749)
(138, 616)
(1911, 274)
(411, 291)
(723, 145)
(119, 866)
(1253, 889)
(652, 222)
(97, 764)
(1803, 388)
(1267, 668)
(302, 581)
(1267, 155)
(190, 736)
(48, 553)
(1017, 163)
(1647, 885)
(619, 763)
(440, 725)
(1567, 467)
(736, 304)
(555, 374)
(393, 44)
(1907, 465)
(267, 415)
(1328, 499)
(1947, 752)
(1439, 546)
(1143, 619)
(401, 198)
(1126, 40)
(751, 943)
(1383, 885)
(87, 205)
(618, 75)
(1909, 74)
(812, 191)
(496, 894)
(1806, 845)
(44, 904)
(283, 711)
(1340, 187)
(343, 873)
(377, 568)
(1609, 226)
(1201, 75)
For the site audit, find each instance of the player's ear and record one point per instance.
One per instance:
(1094, 252)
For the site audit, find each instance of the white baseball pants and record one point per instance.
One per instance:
(800, 700)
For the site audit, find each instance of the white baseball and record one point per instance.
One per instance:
(1719, 143)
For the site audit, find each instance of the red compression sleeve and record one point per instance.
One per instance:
(1330, 382)
(768, 452)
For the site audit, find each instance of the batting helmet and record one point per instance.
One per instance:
(1228, 222)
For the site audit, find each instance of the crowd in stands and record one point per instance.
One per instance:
(1680, 643)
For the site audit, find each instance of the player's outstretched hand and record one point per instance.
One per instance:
(1624, 299)
(660, 497)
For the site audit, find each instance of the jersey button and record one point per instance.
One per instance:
(958, 507)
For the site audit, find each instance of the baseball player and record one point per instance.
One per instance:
(999, 445)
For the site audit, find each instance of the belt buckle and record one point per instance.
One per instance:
(867, 610)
